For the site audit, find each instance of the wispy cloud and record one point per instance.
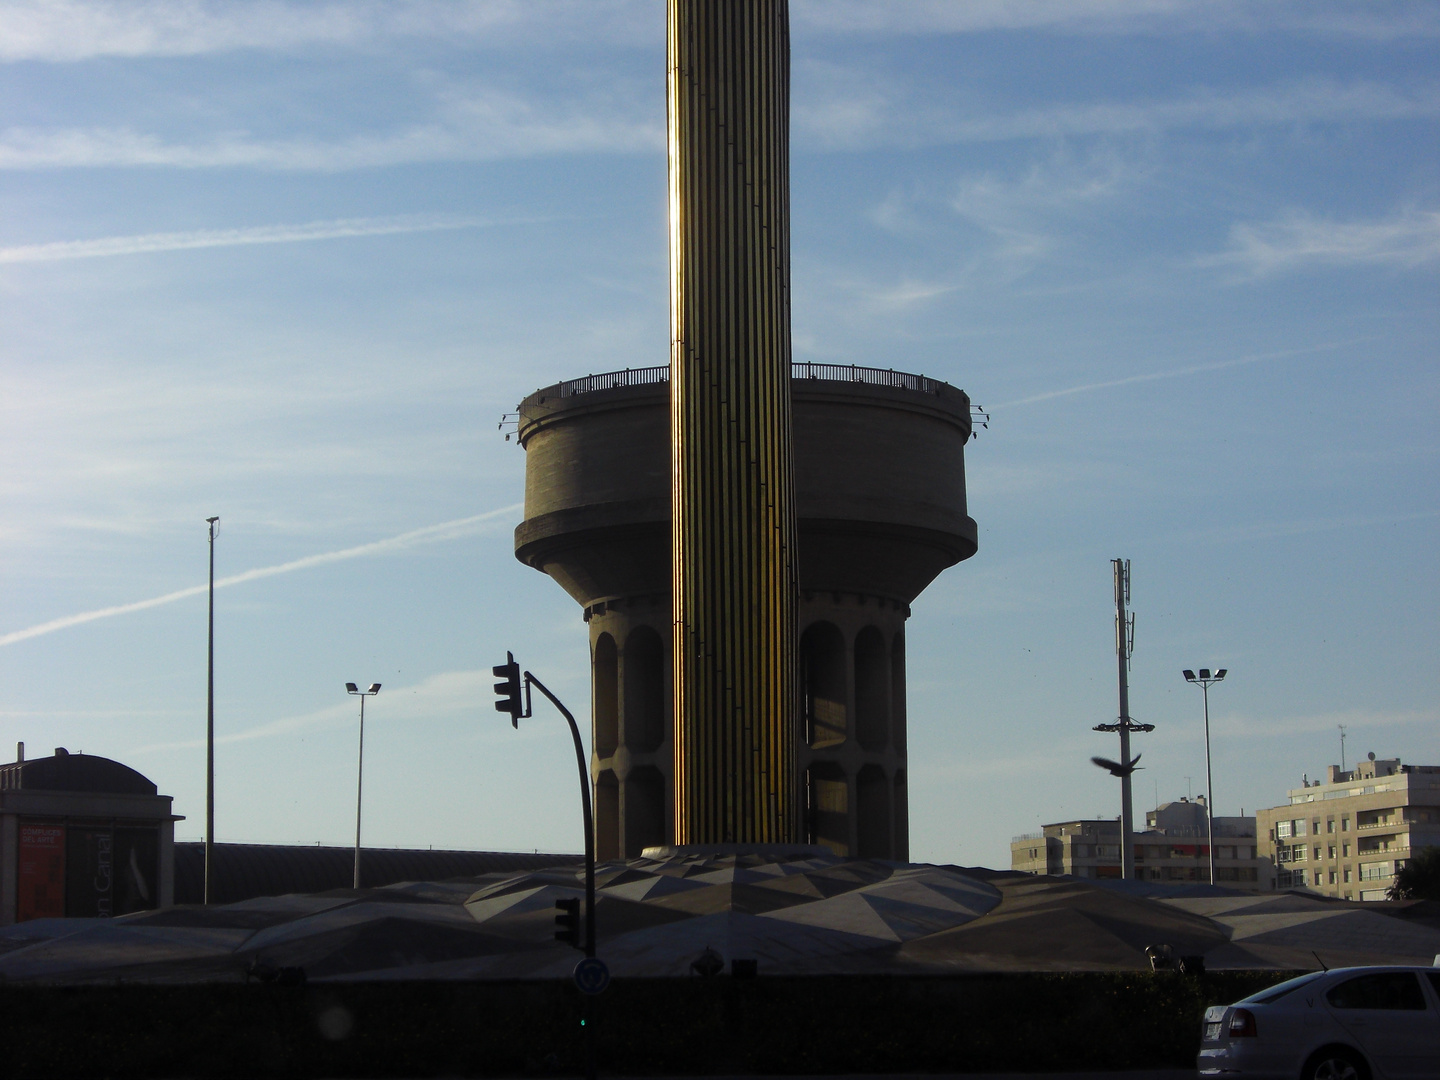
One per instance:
(1270, 530)
(430, 534)
(1172, 373)
(446, 693)
(1353, 719)
(1115, 17)
(147, 243)
(1331, 18)
(840, 109)
(71, 30)
(849, 111)
(479, 126)
(1298, 240)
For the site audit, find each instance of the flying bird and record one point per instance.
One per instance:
(1116, 768)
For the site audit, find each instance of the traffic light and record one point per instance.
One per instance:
(567, 921)
(509, 690)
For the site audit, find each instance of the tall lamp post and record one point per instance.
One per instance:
(350, 688)
(210, 724)
(1203, 680)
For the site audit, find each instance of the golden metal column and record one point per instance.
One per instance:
(732, 465)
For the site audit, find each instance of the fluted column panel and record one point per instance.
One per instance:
(732, 468)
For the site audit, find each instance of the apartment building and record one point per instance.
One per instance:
(1348, 834)
(1173, 848)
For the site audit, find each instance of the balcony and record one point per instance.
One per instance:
(1386, 849)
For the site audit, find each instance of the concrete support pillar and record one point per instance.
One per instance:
(733, 525)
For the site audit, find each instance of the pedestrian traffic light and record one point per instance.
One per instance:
(567, 921)
(509, 690)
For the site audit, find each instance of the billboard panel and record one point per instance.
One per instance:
(137, 870)
(42, 872)
(89, 872)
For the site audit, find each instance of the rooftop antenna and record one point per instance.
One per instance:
(1342, 746)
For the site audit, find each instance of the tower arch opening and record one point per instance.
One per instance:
(822, 685)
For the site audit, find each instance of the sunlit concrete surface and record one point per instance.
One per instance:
(803, 913)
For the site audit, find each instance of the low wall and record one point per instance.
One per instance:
(1039, 1022)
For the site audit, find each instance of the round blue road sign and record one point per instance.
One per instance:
(592, 976)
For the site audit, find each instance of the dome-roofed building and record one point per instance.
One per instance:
(82, 835)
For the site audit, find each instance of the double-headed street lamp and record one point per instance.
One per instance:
(350, 688)
(1203, 680)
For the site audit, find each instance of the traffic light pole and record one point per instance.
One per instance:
(509, 702)
(530, 681)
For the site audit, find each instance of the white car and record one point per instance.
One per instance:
(1362, 1023)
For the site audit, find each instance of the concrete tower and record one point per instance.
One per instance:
(744, 535)
(881, 509)
(734, 584)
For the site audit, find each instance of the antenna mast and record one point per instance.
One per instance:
(1124, 646)
(1342, 746)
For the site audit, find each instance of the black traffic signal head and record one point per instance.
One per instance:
(567, 921)
(509, 690)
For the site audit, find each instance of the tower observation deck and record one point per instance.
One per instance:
(880, 505)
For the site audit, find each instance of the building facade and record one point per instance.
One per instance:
(1174, 848)
(1347, 835)
(82, 836)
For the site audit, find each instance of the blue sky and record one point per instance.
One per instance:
(289, 264)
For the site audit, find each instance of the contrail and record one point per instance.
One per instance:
(1175, 373)
(260, 234)
(447, 530)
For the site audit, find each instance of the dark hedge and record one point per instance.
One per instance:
(1037, 1022)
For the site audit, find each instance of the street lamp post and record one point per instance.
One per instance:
(210, 725)
(1203, 680)
(351, 688)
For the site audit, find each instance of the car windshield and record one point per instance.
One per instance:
(1279, 990)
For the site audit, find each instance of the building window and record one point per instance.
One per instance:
(1282, 830)
(1332, 877)
(1345, 848)
(1330, 852)
(1330, 824)
(1347, 881)
(1345, 823)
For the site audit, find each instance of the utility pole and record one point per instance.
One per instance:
(210, 728)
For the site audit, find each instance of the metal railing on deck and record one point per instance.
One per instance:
(610, 380)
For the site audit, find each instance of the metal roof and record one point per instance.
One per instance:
(245, 871)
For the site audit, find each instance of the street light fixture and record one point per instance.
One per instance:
(1204, 680)
(350, 688)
